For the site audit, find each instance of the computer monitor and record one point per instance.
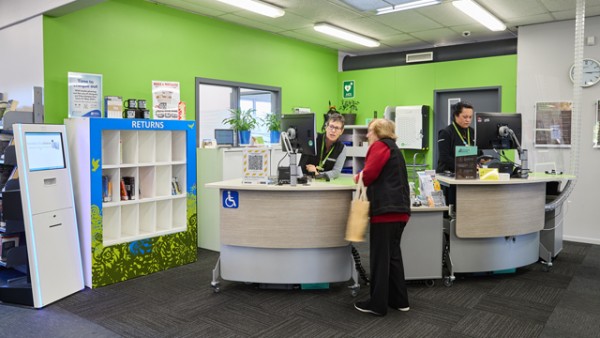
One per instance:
(44, 150)
(301, 131)
(491, 130)
(224, 137)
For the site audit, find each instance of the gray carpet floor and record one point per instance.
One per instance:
(562, 302)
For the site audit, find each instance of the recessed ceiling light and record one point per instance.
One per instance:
(407, 5)
(345, 35)
(256, 6)
(480, 14)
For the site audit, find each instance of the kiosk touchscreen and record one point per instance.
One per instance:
(48, 211)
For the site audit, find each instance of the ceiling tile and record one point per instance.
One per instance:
(418, 28)
(565, 5)
(435, 36)
(445, 14)
(369, 5)
(528, 20)
(408, 21)
(510, 9)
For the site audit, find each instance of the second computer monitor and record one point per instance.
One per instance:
(487, 130)
(301, 131)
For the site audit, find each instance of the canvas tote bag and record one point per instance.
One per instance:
(358, 218)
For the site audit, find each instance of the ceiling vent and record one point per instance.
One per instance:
(419, 57)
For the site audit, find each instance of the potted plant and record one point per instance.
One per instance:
(273, 124)
(242, 121)
(349, 108)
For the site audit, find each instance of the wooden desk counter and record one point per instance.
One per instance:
(487, 209)
(282, 216)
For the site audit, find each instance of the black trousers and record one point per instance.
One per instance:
(388, 287)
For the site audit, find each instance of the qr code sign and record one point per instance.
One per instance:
(255, 162)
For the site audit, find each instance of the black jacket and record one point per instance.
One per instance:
(389, 193)
(448, 139)
(338, 146)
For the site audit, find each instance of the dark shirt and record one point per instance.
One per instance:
(329, 157)
(448, 139)
(386, 179)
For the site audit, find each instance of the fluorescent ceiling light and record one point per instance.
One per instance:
(345, 35)
(472, 9)
(408, 5)
(256, 7)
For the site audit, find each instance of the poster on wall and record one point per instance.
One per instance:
(596, 131)
(553, 124)
(85, 95)
(165, 100)
(348, 89)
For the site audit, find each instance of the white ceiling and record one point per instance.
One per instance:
(433, 26)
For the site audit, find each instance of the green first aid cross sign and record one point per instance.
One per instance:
(348, 89)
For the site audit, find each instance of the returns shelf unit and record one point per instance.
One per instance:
(135, 195)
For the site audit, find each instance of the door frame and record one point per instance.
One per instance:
(436, 127)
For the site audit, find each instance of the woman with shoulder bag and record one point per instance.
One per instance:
(385, 177)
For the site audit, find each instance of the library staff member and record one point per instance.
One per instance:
(331, 152)
(458, 133)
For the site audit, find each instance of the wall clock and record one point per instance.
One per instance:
(590, 73)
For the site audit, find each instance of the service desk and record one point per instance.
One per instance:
(279, 234)
(496, 224)
(275, 234)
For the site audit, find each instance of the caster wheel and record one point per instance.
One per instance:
(216, 289)
(429, 283)
(447, 282)
(354, 293)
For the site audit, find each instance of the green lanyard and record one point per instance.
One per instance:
(327, 156)
(461, 138)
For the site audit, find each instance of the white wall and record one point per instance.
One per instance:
(22, 60)
(12, 11)
(545, 55)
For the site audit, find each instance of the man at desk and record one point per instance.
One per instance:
(458, 133)
(331, 152)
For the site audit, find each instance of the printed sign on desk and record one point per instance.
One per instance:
(230, 199)
(256, 165)
(466, 163)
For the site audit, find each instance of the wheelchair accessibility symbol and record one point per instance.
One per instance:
(230, 199)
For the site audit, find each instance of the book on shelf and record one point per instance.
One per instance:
(175, 188)
(7, 243)
(106, 189)
(129, 182)
(123, 191)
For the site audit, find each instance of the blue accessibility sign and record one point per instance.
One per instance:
(230, 199)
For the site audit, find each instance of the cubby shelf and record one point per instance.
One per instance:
(355, 138)
(140, 177)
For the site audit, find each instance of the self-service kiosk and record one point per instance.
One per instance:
(48, 212)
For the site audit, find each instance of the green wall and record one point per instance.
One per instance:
(415, 85)
(132, 42)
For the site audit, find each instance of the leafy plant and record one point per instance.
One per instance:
(349, 106)
(272, 122)
(241, 120)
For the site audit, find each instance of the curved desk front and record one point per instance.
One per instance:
(496, 224)
(284, 235)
